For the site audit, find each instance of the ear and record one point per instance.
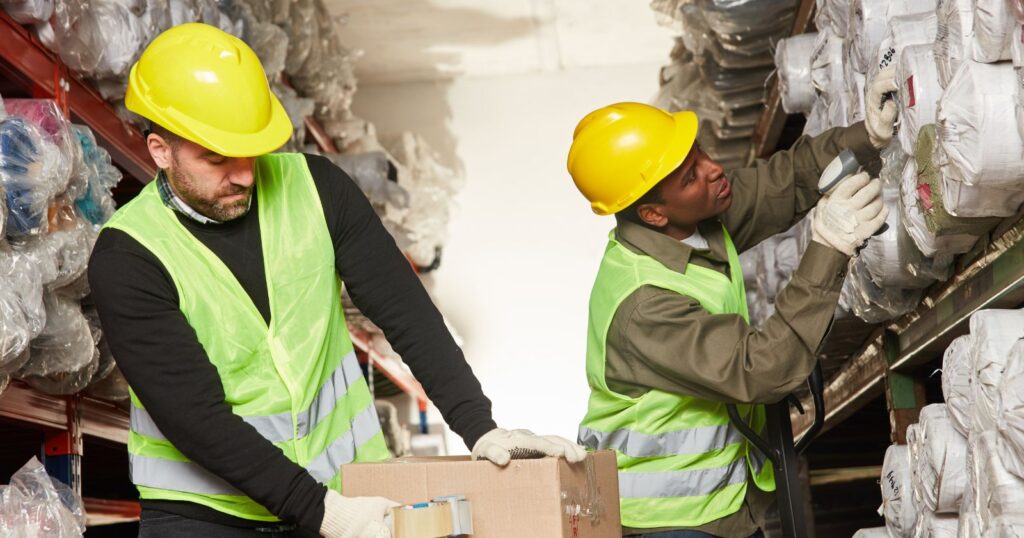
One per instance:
(159, 150)
(653, 215)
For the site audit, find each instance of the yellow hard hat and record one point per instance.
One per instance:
(209, 87)
(621, 151)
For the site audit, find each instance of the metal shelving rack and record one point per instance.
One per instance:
(27, 65)
(889, 361)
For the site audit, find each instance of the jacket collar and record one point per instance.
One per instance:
(669, 252)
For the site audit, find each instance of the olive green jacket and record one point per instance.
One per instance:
(662, 340)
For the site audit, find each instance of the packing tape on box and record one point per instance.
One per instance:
(586, 503)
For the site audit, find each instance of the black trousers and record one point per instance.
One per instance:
(157, 524)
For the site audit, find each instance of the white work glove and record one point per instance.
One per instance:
(847, 216)
(879, 112)
(355, 517)
(500, 446)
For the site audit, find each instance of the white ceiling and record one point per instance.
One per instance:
(415, 40)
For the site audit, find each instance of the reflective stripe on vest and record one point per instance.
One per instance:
(687, 483)
(641, 445)
(681, 462)
(188, 476)
(294, 378)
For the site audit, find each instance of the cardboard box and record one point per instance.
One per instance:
(538, 498)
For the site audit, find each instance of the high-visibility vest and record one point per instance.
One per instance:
(681, 462)
(296, 381)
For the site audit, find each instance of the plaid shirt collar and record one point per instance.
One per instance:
(172, 201)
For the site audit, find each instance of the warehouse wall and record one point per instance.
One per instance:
(524, 246)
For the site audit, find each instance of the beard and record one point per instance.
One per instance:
(210, 205)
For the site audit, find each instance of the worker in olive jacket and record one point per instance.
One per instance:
(669, 343)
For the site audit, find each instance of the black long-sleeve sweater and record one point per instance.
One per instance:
(172, 376)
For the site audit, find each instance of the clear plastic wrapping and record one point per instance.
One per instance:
(953, 38)
(376, 176)
(956, 382)
(978, 135)
(96, 203)
(897, 492)
(793, 61)
(1010, 407)
(993, 30)
(28, 11)
(30, 174)
(994, 332)
(836, 13)
(34, 504)
(870, 302)
(101, 38)
(298, 109)
(885, 255)
(942, 465)
(63, 358)
(14, 330)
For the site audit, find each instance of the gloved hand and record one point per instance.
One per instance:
(879, 112)
(355, 517)
(847, 216)
(500, 446)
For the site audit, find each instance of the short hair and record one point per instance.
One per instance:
(172, 139)
(632, 214)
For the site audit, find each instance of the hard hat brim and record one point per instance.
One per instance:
(229, 144)
(687, 126)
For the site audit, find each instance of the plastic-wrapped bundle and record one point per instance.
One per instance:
(978, 136)
(873, 532)
(956, 382)
(62, 255)
(994, 333)
(867, 28)
(1019, 103)
(1010, 408)
(376, 176)
(99, 37)
(30, 174)
(25, 279)
(302, 32)
(96, 204)
(931, 525)
(45, 114)
(34, 504)
(28, 11)
(64, 357)
(903, 31)
(927, 241)
(183, 11)
(1017, 45)
(298, 109)
(897, 492)
(970, 522)
(14, 331)
(837, 14)
(942, 472)
(953, 40)
(870, 302)
(793, 60)
(993, 29)
(855, 89)
(931, 194)
(431, 187)
(918, 94)
(884, 254)
(999, 492)
(816, 119)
